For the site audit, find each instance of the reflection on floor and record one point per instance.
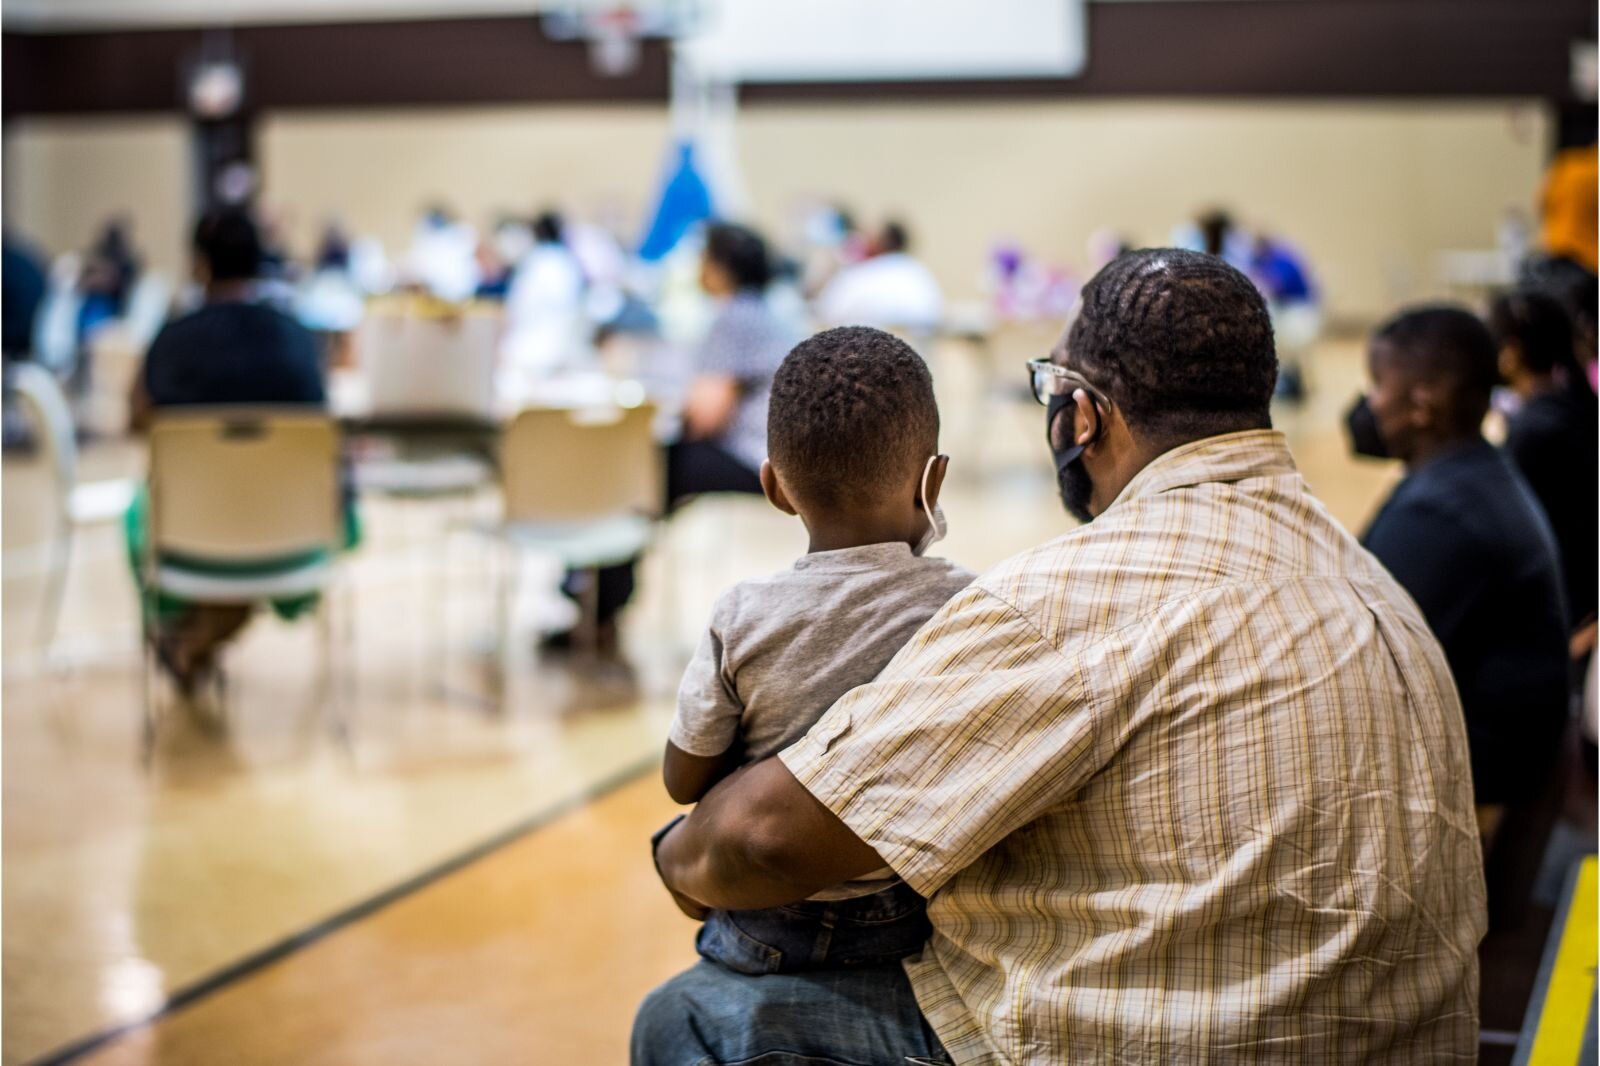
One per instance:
(536, 954)
(124, 886)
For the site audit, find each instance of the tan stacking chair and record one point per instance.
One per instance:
(583, 485)
(244, 506)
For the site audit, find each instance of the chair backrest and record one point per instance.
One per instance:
(244, 484)
(429, 364)
(560, 465)
(44, 405)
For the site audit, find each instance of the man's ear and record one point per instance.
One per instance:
(1425, 402)
(1077, 424)
(773, 490)
(941, 463)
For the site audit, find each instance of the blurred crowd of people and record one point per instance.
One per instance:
(735, 304)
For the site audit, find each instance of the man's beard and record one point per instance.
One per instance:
(1076, 488)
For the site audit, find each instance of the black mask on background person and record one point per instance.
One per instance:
(1362, 425)
(1072, 479)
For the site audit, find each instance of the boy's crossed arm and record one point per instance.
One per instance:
(688, 777)
(707, 720)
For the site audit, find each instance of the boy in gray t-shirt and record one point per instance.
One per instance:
(852, 440)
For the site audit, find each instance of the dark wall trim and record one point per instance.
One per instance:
(454, 61)
(1323, 48)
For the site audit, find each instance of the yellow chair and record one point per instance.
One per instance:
(244, 506)
(584, 485)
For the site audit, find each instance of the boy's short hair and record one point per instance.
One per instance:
(852, 417)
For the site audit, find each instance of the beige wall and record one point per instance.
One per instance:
(376, 169)
(1371, 190)
(65, 177)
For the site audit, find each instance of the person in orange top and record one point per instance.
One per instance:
(1568, 219)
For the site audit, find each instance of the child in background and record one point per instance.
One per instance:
(852, 440)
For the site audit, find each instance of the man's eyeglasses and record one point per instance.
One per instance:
(1050, 379)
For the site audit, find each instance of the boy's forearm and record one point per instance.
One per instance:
(689, 777)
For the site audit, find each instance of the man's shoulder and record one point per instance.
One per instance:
(213, 319)
(1487, 504)
(183, 327)
(1139, 564)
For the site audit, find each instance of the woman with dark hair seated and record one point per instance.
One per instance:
(725, 412)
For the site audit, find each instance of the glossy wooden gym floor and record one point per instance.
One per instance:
(462, 885)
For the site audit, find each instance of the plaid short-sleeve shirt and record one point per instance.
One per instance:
(1187, 784)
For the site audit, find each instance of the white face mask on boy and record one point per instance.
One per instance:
(937, 526)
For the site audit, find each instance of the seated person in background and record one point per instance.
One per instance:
(890, 290)
(725, 411)
(1465, 537)
(544, 325)
(24, 291)
(1551, 437)
(1284, 279)
(233, 350)
(853, 441)
(1567, 213)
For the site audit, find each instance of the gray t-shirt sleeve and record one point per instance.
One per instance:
(709, 710)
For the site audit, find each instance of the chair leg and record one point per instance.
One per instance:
(439, 601)
(349, 690)
(505, 598)
(55, 591)
(148, 704)
(327, 683)
(587, 635)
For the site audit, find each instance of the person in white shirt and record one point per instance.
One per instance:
(544, 306)
(891, 290)
(442, 258)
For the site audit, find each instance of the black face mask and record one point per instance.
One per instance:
(1362, 425)
(1072, 479)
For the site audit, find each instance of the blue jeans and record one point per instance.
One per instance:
(710, 1016)
(872, 930)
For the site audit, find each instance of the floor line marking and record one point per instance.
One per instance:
(294, 942)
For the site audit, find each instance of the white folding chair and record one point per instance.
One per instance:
(583, 485)
(44, 408)
(428, 366)
(245, 506)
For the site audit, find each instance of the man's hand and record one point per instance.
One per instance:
(695, 910)
(691, 907)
